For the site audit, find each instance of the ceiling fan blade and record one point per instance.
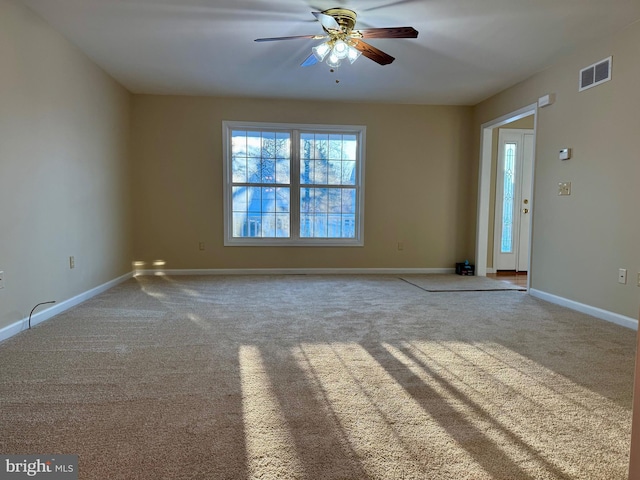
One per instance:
(327, 21)
(273, 39)
(392, 4)
(310, 60)
(390, 32)
(372, 52)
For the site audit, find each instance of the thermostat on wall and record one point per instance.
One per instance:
(565, 154)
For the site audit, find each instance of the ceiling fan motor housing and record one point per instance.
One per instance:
(345, 18)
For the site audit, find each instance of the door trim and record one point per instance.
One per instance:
(484, 185)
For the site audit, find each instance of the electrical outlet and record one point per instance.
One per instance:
(622, 275)
(401, 246)
(564, 188)
(72, 262)
(201, 246)
(2, 279)
(638, 278)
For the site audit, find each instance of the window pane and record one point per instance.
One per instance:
(348, 226)
(321, 147)
(306, 146)
(349, 200)
(349, 147)
(306, 225)
(335, 200)
(334, 172)
(283, 199)
(283, 170)
(506, 244)
(239, 169)
(283, 221)
(239, 143)
(335, 147)
(321, 199)
(239, 224)
(254, 222)
(320, 226)
(239, 199)
(254, 144)
(320, 172)
(254, 199)
(268, 199)
(268, 145)
(268, 225)
(306, 200)
(335, 226)
(307, 172)
(254, 170)
(348, 173)
(283, 145)
(268, 171)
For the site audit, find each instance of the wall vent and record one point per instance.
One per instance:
(595, 74)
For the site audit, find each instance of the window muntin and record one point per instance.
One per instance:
(293, 184)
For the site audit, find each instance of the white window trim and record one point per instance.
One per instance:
(295, 239)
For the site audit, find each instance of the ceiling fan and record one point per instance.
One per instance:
(344, 42)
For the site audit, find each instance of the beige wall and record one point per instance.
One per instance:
(580, 241)
(417, 183)
(64, 190)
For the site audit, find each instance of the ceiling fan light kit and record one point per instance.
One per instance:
(335, 51)
(343, 42)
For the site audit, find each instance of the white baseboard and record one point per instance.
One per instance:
(36, 318)
(298, 271)
(491, 270)
(616, 318)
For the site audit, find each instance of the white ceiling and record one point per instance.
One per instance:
(466, 51)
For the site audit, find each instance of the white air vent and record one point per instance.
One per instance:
(595, 74)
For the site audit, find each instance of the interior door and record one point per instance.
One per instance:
(513, 200)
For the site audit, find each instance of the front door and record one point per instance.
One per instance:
(513, 200)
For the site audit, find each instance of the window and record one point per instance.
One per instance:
(293, 184)
(508, 197)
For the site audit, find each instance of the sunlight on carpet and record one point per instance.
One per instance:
(268, 440)
(479, 410)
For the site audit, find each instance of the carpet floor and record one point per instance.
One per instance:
(320, 377)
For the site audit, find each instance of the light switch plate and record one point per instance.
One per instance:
(564, 188)
(622, 276)
(2, 279)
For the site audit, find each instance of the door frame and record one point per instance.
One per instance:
(484, 186)
(522, 132)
